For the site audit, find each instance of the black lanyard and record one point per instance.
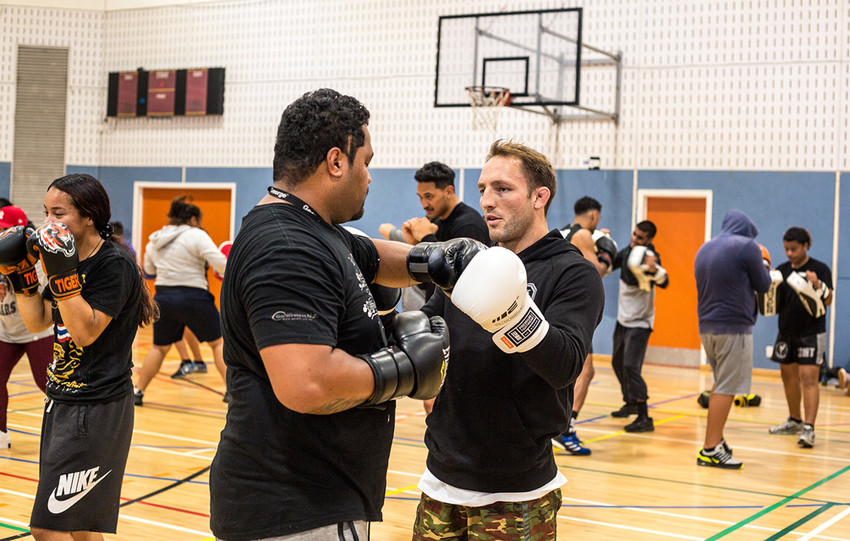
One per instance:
(297, 202)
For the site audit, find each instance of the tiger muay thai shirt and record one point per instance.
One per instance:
(101, 371)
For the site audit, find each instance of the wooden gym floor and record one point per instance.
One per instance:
(633, 486)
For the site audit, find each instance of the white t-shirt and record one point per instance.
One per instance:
(446, 493)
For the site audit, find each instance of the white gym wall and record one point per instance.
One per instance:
(735, 85)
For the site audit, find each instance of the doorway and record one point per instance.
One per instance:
(152, 201)
(683, 219)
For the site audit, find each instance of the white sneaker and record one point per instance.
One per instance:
(790, 426)
(5, 440)
(807, 437)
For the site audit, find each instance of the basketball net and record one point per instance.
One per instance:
(486, 103)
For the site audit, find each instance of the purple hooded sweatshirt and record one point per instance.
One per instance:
(728, 270)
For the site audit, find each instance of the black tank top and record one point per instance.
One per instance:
(570, 230)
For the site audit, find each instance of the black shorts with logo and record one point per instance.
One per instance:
(84, 450)
(804, 350)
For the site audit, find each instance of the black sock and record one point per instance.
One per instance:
(641, 408)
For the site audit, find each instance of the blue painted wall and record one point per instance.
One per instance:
(842, 313)
(775, 201)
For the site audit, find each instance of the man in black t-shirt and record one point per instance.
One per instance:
(311, 373)
(446, 216)
(801, 301)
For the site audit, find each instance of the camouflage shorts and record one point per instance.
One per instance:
(502, 521)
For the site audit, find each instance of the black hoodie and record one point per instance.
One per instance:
(493, 421)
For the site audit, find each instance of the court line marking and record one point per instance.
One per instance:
(411, 489)
(399, 472)
(170, 452)
(620, 432)
(699, 443)
(825, 525)
(686, 517)
(630, 528)
(13, 524)
(778, 504)
(179, 438)
(13, 493)
(790, 528)
(163, 525)
(687, 483)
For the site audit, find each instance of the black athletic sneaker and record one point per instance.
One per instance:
(625, 411)
(200, 367)
(641, 424)
(186, 368)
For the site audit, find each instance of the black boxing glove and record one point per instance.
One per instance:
(386, 300)
(442, 263)
(54, 244)
(415, 366)
(606, 248)
(16, 262)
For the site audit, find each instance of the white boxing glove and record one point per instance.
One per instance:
(811, 298)
(640, 270)
(492, 291)
(767, 301)
(660, 274)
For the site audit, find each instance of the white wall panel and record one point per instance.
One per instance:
(735, 84)
(82, 32)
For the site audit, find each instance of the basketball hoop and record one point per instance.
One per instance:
(486, 103)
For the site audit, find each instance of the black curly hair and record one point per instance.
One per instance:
(312, 125)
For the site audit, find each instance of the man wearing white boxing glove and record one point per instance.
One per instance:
(522, 316)
(585, 236)
(800, 345)
(641, 272)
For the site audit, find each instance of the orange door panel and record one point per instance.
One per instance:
(213, 202)
(681, 232)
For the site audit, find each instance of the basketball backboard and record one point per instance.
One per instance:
(537, 55)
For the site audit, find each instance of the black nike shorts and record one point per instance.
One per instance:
(84, 450)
